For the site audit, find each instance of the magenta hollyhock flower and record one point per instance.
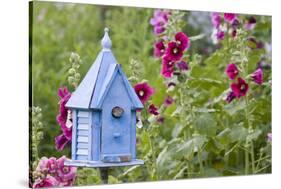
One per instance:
(220, 35)
(144, 91)
(182, 41)
(47, 182)
(240, 88)
(231, 71)
(257, 76)
(152, 109)
(235, 23)
(229, 17)
(65, 174)
(250, 23)
(159, 48)
(173, 52)
(64, 95)
(216, 19)
(168, 101)
(183, 66)
(269, 137)
(61, 140)
(230, 96)
(167, 69)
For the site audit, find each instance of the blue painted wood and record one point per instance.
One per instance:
(133, 134)
(102, 164)
(74, 136)
(90, 137)
(99, 138)
(116, 96)
(96, 142)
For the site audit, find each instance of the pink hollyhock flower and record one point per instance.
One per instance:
(216, 19)
(173, 52)
(240, 88)
(220, 35)
(183, 66)
(182, 41)
(65, 174)
(269, 137)
(167, 69)
(257, 76)
(144, 91)
(229, 17)
(230, 97)
(231, 71)
(47, 182)
(168, 101)
(159, 48)
(159, 21)
(152, 109)
(250, 23)
(47, 165)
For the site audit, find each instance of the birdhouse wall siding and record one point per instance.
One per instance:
(116, 132)
(96, 135)
(133, 134)
(81, 145)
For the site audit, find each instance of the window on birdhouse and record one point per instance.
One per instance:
(117, 112)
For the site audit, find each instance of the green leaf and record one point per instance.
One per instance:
(206, 124)
(238, 133)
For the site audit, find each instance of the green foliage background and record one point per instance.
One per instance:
(61, 28)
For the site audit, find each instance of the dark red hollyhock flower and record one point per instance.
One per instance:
(173, 51)
(230, 96)
(153, 109)
(182, 40)
(167, 69)
(231, 71)
(168, 101)
(183, 66)
(144, 91)
(233, 33)
(159, 48)
(257, 76)
(240, 88)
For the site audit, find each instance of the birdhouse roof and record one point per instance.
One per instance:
(93, 88)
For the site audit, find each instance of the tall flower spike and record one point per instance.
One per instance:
(106, 42)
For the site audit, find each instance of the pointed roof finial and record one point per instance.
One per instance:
(106, 42)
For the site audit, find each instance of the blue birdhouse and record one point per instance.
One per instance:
(104, 109)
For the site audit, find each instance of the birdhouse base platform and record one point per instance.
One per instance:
(79, 163)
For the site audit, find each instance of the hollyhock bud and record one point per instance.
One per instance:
(257, 76)
(152, 109)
